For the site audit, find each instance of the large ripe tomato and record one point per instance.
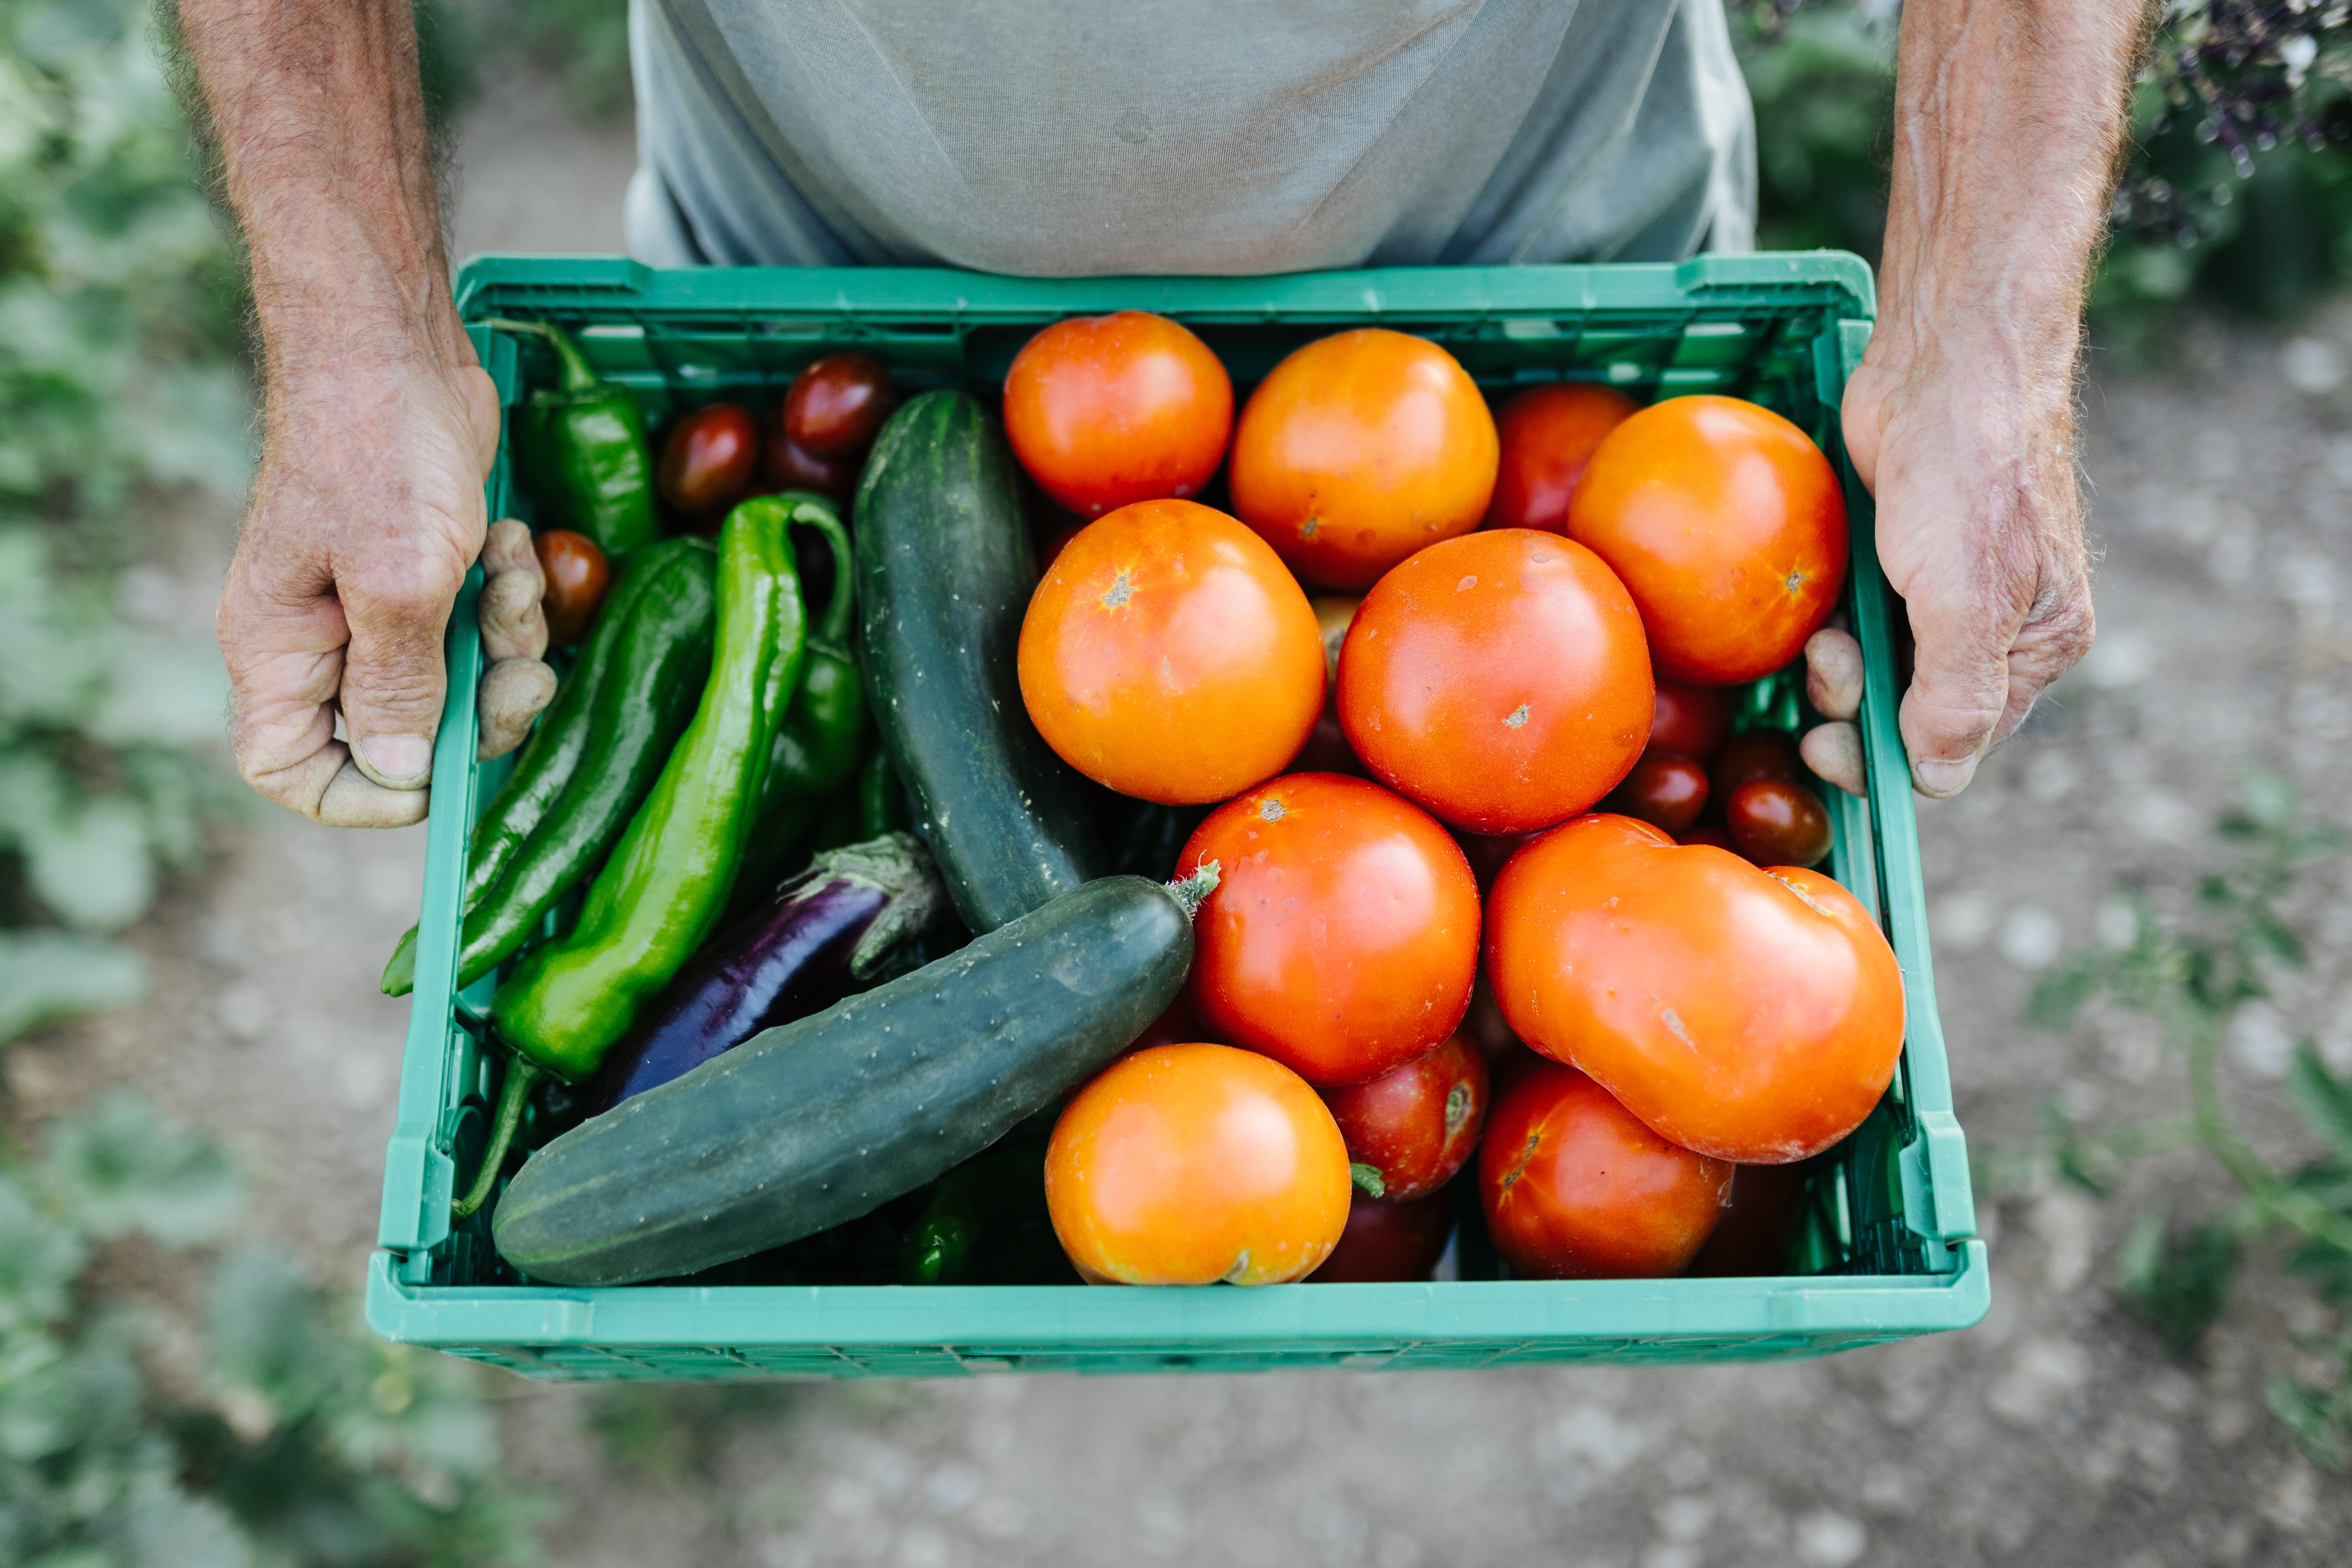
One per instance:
(1576, 1188)
(1389, 1243)
(1187, 1164)
(1753, 1016)
(1727, 525)
(1500, 680)
(1168, 655)
(1342, 937)
(1415, 1124)
(1107, 410)
(1360, 449)
(1549, 433)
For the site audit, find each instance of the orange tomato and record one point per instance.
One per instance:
(1500, 680)
(1575, 1188)
(1729, 527)
(1187, 1164)
(1752, 1016)
(1107, 410)
(1549, 433)
(1415, 1124)
(1358, 450)
(1342, 938)
(1168, 655)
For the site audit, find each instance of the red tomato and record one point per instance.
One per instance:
(1415, 1124)
(1690, 720)
(1169, 656)
(1549, 433)
(1343, 934)
(1187, 1165)
(836, 407)
(1663, 790)
(1727, 524)
(1754, 754)
(1360, 449)
(1388, 1242)
(786, 465)
(708, 458)
(1576, 1188)
(1500, 680)
(1107, 410)
(577, 576)
(1775, 823)
(1751, 1016)
(1758, 1224)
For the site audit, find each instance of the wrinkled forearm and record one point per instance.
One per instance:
(2009, 116)
(327, 165)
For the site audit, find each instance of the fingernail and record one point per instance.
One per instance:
(1937, 778)
(397, 761)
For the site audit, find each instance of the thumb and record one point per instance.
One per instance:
(1960, 686)
(392, 675)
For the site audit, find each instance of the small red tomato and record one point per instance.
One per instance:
(1342, 937)
(1690, 720)
(1549, 433)
(785, 464)
(577, 575)
(1104, 411)
(1576, 1188)
(1776, 822)
(1665, 790)
(1415, 1124)
(1754, 754)
(708, 458)
(1752, 1239)
(1389, 1243)
(836, 407)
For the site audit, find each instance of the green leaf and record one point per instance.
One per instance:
(47, 975)
(2060, 994)
(2270, 799)
(2320, 1098)
(119, 1166)
(2311, 1417)
(91, 867)
(2177, 1284)
(263, 1320)
(39, 1261)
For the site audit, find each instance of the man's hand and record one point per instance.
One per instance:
(379, 426)
(2008, 117)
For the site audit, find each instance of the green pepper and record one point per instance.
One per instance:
(590, 762)
(986, 1224)
(824, 733)
(881, 798)
(583, 449)
(668, 879)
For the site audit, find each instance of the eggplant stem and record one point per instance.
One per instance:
(520, 1076)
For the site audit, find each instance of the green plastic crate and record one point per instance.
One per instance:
(1892, 1254)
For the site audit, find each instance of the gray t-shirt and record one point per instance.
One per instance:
(1054, 138)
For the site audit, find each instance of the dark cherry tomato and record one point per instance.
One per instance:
(708, 458)
(1665, 790)
(1757, 754)
(1758, 1223)
(785, 464)
(1775, 822)
(836, 407)
(1576, 1188)
(1690, 720)
(577, 575)
(1706, 833)
(1415, 1124)
(1387, 1243)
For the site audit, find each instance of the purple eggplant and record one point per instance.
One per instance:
(820, 935)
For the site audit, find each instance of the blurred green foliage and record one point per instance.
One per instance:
(265, 1429)
(119, 385)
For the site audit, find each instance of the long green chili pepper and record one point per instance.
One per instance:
(823, 732)
(583, 449)
(668, 879)
(881, 798)
(591, 759)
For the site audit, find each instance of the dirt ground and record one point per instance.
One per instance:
(2057, 1434)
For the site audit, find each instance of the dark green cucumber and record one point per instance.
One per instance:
(944, 574)
(813, 1125)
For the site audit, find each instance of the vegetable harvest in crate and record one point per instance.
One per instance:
(810, 904)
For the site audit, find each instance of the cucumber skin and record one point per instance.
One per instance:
(811, 1125)
(944, 575)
